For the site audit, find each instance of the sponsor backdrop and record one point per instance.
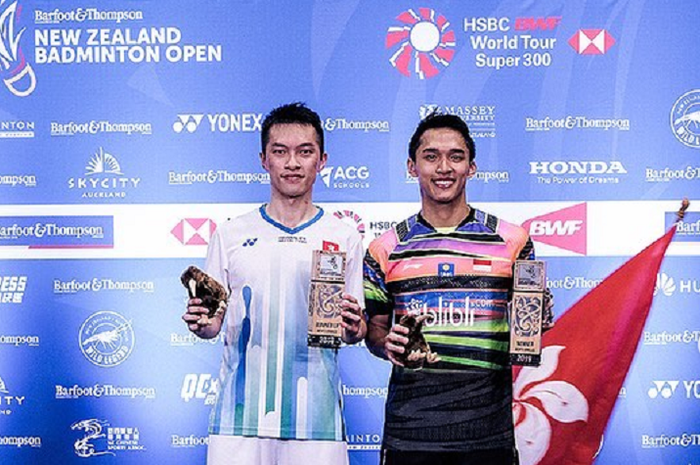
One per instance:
(130, 130)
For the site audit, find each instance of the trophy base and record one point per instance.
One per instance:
(531, 360)
(324, 342)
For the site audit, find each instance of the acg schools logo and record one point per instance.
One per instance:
(425, 43)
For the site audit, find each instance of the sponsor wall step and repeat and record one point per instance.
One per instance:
(130, 130)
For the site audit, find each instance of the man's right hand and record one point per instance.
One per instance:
(395, 343)
(197, 320)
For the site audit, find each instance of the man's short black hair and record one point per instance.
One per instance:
(438, 120)
(292, 113)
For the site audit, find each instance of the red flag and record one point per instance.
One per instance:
(562, 407)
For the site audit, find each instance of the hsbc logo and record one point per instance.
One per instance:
(218, 122)
(564, 229)
(194, 231)
(591, 41)
(348, 177)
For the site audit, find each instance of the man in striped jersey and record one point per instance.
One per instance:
(279, 399)
(453, 263)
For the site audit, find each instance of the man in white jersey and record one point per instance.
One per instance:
(279, 399)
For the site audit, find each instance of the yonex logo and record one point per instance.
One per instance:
(187, 122)
(664, 389)
(425, 43)
(250, 242)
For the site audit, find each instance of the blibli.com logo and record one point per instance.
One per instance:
(422, 43)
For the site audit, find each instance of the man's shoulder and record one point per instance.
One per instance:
(498, 225)
(392, 236)
(330, 220)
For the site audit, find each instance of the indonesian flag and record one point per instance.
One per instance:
(562, 407)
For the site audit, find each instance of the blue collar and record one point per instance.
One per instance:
(284, 228)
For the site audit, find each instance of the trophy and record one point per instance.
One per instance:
(526, 312)
(325, 294)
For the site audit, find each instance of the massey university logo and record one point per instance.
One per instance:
(685, 119)
(425, 43)
(16, 73)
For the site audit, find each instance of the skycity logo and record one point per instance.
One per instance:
(425, 43)
(591, 41)
(565, 228)
(104, 178)
(17, 73)
(685, 119)
(194, 231)
(9, 402)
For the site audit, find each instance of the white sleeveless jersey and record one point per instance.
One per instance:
(271, 383)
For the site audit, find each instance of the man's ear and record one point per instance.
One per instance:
(411, 166)
(263, 161)
(472, 170)
(322, 162)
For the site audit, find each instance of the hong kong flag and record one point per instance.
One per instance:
(562, 407)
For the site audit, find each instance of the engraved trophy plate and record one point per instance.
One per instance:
(325, 293)
(526, 312)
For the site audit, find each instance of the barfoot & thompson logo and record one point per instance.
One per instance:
(425, 43)
(16, 72)
(685, 119)
(106, 339)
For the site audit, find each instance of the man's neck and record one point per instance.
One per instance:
(291, 212)
(445, 215)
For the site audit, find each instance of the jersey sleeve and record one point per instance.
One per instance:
(216, 264)
(377, 297)
(353, 272)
